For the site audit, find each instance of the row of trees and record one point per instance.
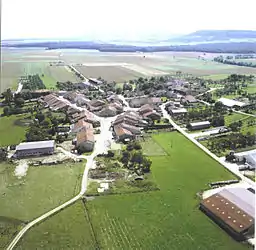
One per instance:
(231, 141)
(221, 59)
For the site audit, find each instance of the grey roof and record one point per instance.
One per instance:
(200, 123)
(35, 145)
(242, 198)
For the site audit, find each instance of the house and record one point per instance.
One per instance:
(176, 112)
(155, 100)
(80, 100)
(123, 134)
(96, 103)
(145, 109)
(233, 209)
(81, 125)
(153, 115)
(118, 106)
(188, 99)
(108, 111)
(86, 138)
(132, 129)
(199, 125)
(36, 148)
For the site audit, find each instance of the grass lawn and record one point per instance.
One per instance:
(234, 117)
(152, 148)
(245, 128)
(69, 229)
(10, 132)
(42, 189)
(169, 218)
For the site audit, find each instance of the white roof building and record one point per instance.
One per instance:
(230, 103)
(35, 145)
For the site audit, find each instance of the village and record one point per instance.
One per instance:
(108, 127)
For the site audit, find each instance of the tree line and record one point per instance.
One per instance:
(220, 59)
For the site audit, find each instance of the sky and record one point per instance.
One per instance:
(129, 19)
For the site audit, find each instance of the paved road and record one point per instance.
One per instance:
(208, 91)
(86, 79)
(20, 86)
(222, 162)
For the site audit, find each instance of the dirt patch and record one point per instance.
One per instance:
(21, 170)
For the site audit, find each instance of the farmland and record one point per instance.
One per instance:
(109, 73)
(68, 229)
(133, 221)
(125, 66)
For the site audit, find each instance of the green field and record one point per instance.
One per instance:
(69, 229)
(42, 189)
(169, 218)
(11, 130)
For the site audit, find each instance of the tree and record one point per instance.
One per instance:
(8, 96)
(3, 154)
(118, 91)
(19, 101)
(7, 110)
(40, 117)
(83, 148)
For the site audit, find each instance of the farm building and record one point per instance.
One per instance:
(175, 112)
(36, 148)
(231, 103)
(233, 209)
(199, 125)
(251, 159)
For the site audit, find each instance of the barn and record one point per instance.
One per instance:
(233, 209)
(36, 148)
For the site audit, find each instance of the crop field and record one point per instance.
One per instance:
(16, 62)
(169, 218)
(109, 73)
(12, 129)
(68, 229)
